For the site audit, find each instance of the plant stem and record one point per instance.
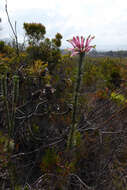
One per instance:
(15, 93)
(5, 94)
(78, 82)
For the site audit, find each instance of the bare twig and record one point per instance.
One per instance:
(13, 30)
(82, 182)
(38, 149)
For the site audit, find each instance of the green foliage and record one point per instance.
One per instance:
(115, 79)
(119, 98)
(37, 69)
(77, 138)
(55, 162)
(17, 187)
(6, 49)
(41, 48)
(58, 36)
(26, 187)
(6, 148)
(49, 160)
(57, 40)
(35, 128)
(34, 31)
(2, 45)
(4, 65)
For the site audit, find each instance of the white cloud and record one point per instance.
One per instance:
(106, 19)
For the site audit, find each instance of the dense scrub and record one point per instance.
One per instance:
(36, 98)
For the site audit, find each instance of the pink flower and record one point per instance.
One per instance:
(79, 46)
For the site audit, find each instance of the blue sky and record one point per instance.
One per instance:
(106, 19)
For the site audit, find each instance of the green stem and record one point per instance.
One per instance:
(5, 94)
(81, 56)
(15, 92)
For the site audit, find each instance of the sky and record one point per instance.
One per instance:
(104, 19)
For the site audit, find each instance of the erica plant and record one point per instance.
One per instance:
(80, 47)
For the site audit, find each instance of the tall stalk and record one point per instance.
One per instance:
(78, 82)
(15, 95)
(10, 110)
(4, 89)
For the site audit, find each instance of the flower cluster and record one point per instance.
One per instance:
(80, 46)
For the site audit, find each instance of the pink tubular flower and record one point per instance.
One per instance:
(79, 46)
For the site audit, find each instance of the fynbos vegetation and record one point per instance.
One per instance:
(62, 118)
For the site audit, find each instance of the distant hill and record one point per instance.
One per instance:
(122, 53)
(94, 53)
